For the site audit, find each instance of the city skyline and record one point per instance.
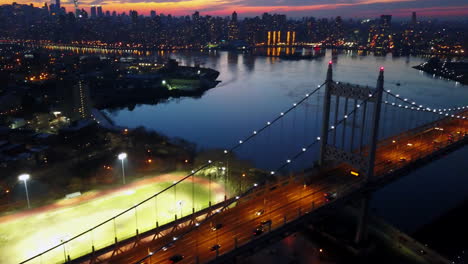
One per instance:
(300, 8)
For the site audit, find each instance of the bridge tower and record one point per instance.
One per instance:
(359, 158)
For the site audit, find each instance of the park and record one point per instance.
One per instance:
(29, 233)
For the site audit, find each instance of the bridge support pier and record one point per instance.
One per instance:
(361, 233)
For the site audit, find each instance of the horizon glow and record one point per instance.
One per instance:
(292, 8)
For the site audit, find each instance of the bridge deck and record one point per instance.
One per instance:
(286, 201)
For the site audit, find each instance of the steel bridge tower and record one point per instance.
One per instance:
(354, 157)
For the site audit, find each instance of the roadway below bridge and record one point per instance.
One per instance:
(288, 199)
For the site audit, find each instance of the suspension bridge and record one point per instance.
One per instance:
(369, 137)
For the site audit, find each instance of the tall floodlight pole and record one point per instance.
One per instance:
(122, 157)
(25, 178)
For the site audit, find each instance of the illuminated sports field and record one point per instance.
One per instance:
(25, 236)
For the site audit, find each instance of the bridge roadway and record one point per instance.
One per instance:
(290, 198)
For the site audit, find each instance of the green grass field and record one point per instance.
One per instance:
(25, 237)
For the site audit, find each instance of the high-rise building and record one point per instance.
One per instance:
(338, 31)
(234, 17)
(196, 16)
(153, 14)
(84, 14)
(385, 22)
(57, 4)
(46, 8)
(134, 16)
(78, 101)
(99, 11)
(82, 101)
(413, 18)
(233, 27)
(380, 36)
(93, 11)
(75, 99)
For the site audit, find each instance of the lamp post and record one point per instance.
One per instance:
(122, 156)
(24, 178)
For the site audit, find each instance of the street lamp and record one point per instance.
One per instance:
(24, 177)
(122, 156)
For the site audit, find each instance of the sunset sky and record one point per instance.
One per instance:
(293, 8)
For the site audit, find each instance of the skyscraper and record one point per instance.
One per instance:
(93, 11)
(153, 14)
(413, 18)
(75, 98)
(99, 11)
(233, 27)
(196, 16)
(234, 17)
(385, 22)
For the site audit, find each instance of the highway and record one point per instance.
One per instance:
(290, 198)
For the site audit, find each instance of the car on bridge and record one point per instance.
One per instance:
(259, 212)
(216, 227)
(168, 246)
(388, 162)
(176, 258)
(215, 247)
(258, 230)
(330, 196)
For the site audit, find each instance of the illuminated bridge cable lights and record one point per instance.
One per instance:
(281, 115)
(413, 102)
(308, 147)
(428, 110)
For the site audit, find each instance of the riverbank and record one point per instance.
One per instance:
(455, 71)
(150, 83)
